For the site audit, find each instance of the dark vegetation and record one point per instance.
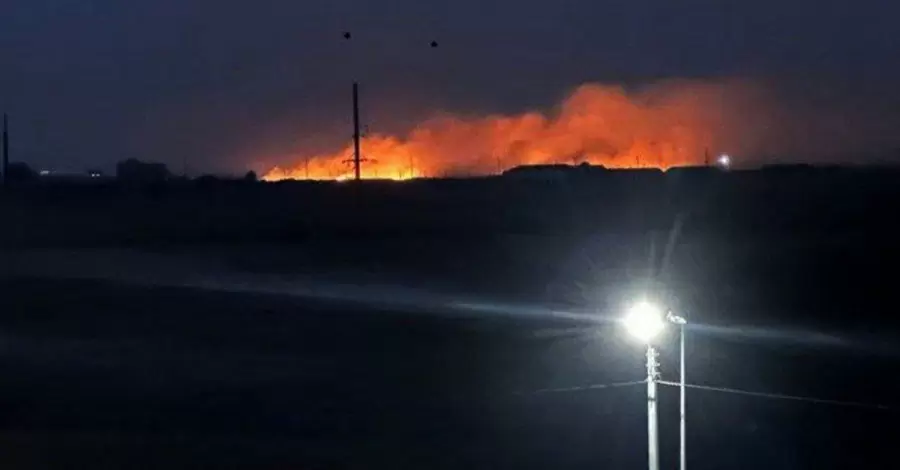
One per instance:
(768, 241)
(102, 375)
(776, 201)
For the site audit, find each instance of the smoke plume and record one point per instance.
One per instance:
(662, 125)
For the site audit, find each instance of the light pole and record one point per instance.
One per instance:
(682, 438)
(645, 322)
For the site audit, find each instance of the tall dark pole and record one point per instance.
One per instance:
(356, 157)
(5, 149)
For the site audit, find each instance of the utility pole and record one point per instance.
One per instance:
(682, 440)
(706, 156)
(652, 423)
(356, 156)
(5, 168)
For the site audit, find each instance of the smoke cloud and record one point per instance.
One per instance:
(662, 125)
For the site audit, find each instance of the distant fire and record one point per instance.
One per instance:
(659, 127)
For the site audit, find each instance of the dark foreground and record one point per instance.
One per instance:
(106, 376)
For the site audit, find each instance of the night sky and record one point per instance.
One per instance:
(230, 85)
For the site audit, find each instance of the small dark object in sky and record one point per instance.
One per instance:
(346, 34)
(434, 44)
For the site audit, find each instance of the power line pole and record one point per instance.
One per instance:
(356, 156)
(652, 423)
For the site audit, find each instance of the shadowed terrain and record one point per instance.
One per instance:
(110, 376)
(292, 325)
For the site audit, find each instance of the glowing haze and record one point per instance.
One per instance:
(662, 125)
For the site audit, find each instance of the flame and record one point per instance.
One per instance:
(662, 126)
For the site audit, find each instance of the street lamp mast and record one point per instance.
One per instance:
(682, 425)
(652, 401)
(645, 322)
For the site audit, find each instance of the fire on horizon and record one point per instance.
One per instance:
(662, 126)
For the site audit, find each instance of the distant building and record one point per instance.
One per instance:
(550, 172)
(133, 171)
(693, 170)
(545, 173)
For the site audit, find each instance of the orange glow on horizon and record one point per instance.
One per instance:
(661, 127)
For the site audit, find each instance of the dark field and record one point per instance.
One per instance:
(101, 375)
(786, 276)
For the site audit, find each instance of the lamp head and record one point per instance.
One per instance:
(644, 321)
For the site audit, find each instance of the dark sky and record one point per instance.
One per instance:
(229, 85)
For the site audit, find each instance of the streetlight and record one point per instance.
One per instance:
(645, 322)
(682, 438)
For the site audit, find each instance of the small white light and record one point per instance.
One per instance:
(644, 322)
(724, 160)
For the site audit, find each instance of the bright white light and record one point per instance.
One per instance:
(724, 160)
(644, 321)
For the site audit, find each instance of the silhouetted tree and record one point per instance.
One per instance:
(20, 172)
(251, 177)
